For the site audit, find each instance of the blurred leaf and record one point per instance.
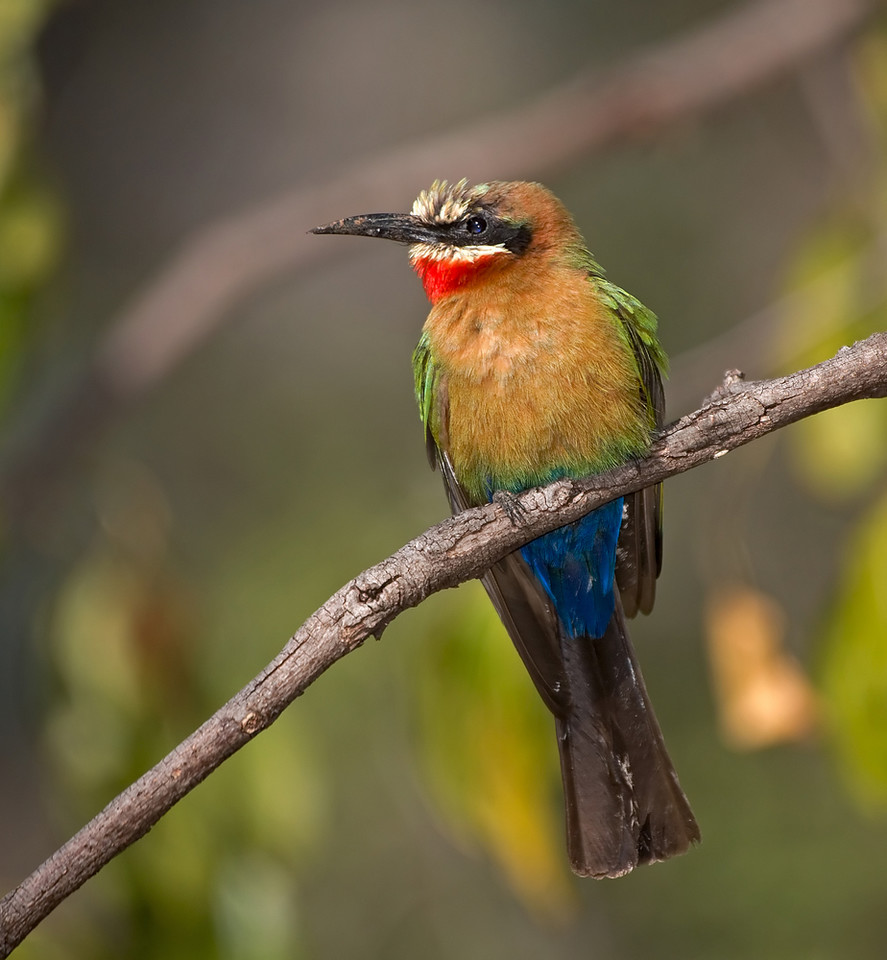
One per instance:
(855, 661)
(174, 872)
(827, 264)
(257, 910)
(30, 217)
(837, 454)
(871, 60)
(488, 744)
(272, 795)
(93, 649)
(840, 453)
(29, 237)
(19, 22)
(762, 692)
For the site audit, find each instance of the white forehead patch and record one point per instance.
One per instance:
(444, 203)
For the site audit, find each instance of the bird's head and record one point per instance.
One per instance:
(458, 234)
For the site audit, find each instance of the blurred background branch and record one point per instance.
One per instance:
(228, 259)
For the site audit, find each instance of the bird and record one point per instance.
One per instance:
(532, 366)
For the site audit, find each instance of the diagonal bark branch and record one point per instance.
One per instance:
(459, 549)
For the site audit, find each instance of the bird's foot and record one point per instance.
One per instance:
(514, 509)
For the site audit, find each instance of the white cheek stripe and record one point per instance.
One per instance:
(459, 254)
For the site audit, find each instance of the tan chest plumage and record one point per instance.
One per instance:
(533, 380)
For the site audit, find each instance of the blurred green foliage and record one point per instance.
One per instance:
(488, 746)
(840, 456)
(119, 644)
(855, 660)
(30, 216)
(840, 453)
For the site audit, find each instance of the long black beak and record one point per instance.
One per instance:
(401, 227)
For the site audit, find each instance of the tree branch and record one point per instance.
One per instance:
(459, 549)
(227, 259)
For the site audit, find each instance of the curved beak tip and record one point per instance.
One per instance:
(401, 227)
(360, 226)
(326, 228)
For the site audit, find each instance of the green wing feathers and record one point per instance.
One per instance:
(638, 326)
(639, 550)
(425, 375)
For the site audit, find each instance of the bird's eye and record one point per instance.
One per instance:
(476, 225)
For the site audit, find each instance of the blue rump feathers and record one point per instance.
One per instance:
(576, 565)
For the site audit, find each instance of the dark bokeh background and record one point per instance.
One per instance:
(169, 561)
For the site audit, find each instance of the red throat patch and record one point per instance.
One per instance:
(442, 277)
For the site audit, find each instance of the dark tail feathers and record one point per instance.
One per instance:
(624, 804)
